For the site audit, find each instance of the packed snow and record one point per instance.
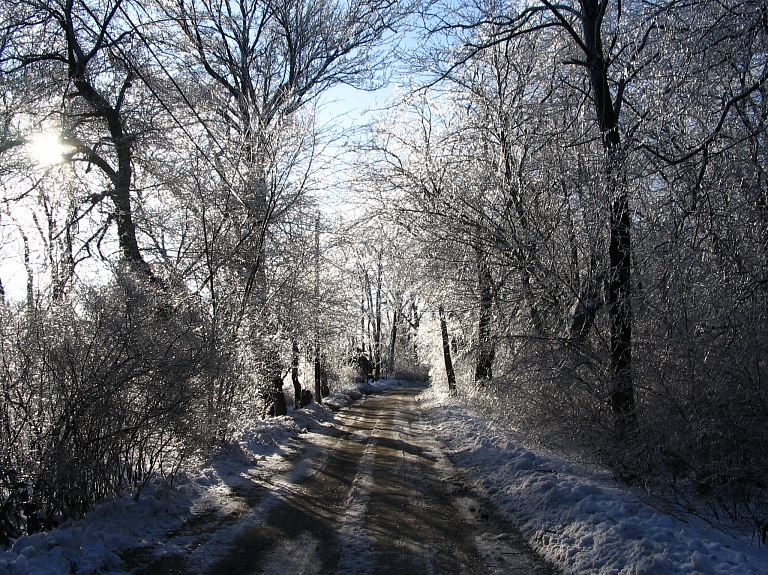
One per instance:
(580, 520)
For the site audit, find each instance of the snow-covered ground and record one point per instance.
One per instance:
(581, 521)
(91, 545)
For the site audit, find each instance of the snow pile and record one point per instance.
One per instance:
(91, 545)
(582, 522)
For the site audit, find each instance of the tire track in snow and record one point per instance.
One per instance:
(294, 558)
(279, 488)
(372, 496)
(315, 519)
(357, 557)
(403, 432)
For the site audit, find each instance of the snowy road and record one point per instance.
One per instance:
(370, 494)
(369, 490)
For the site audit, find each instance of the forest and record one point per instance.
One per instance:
(560, 214)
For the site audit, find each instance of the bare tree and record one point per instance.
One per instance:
(449, 372)
(262, 63)
(587, 24)
(81, 59)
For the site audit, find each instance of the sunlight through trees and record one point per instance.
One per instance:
(560, 213)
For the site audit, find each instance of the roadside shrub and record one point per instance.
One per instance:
(99, 397)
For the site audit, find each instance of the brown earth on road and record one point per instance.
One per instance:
(375, 495)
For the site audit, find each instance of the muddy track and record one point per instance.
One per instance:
(372, 494)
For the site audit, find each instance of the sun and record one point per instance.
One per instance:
(46, 149)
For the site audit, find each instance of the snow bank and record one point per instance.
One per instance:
(91, 545)
(583, 522)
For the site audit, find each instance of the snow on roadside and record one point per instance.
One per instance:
(91, 545)
(583, 523)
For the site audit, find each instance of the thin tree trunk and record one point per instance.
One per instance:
(413, 322)
(377, 327)
(295, 374)
(63, 269)
(574, 277)
(449, 373)
(365, 291)
(533, 310)
(486, 349)
(393, 342)
(318, 386)
(30, 272)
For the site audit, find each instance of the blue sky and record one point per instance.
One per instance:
(345, 106)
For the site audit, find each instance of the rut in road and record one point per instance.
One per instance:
(373, 494)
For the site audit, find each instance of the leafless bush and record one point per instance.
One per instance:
(98, 397)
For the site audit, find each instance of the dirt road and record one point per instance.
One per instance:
(371, 494)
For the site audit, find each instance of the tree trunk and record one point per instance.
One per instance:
(533, 310)
(620, 312)
(574, 276)
(295, 375)
(377, 327)
(365, 294)
(274, 376)
(318, 380)
(64, 269)
(413, 323)
(30, 272)
(121, 198)
(486, 350)
(393, 342)
(622, 398)
(325, 389)
(122, 176)
(279, 406)
(449, 373)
